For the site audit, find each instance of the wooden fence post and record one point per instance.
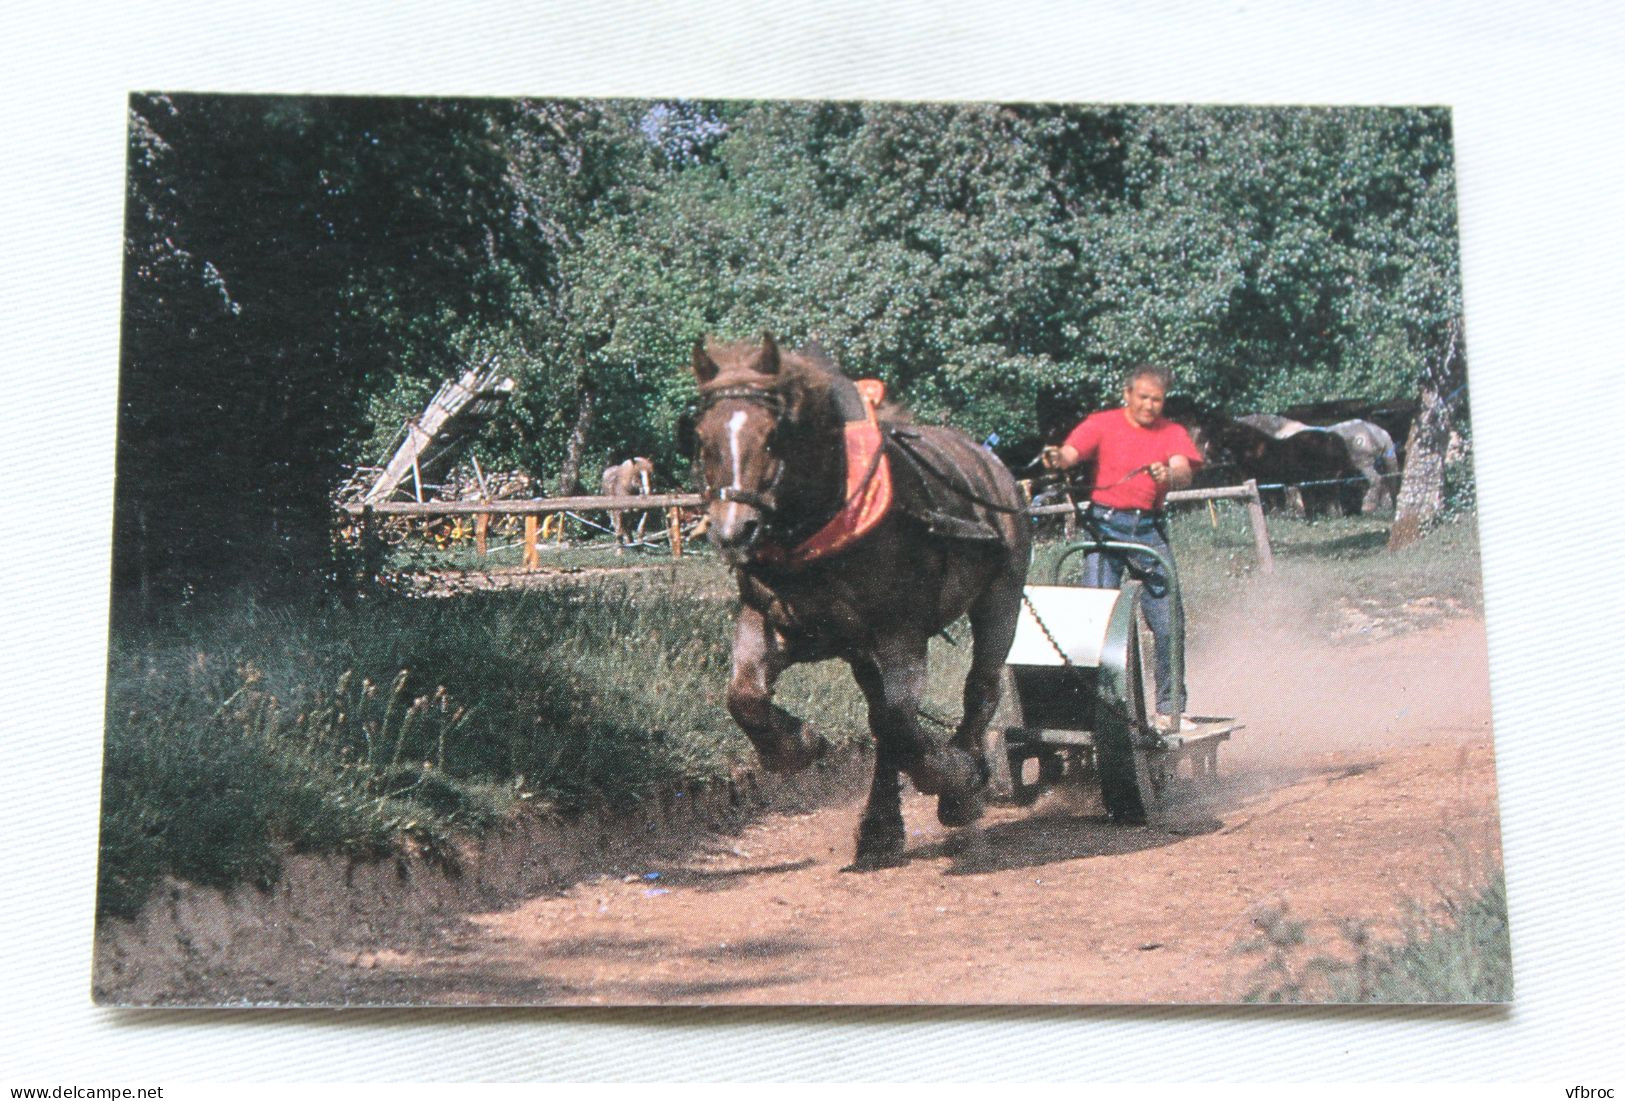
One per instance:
(674, 523)
(482, 525)
(1261, 534)
(533, 558)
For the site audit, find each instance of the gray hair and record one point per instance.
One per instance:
(1162, 376)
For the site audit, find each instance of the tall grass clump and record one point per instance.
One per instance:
(235, 738)
(1462, 956)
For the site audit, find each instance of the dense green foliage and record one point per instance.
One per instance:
(302, 272)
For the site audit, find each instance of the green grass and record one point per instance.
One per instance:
(1463, 955)
(235, 739)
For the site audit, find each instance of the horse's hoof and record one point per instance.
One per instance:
(795, 755)
(881, 842)
(877, 855)
(873, 862)
(959, 810)
(947, 772)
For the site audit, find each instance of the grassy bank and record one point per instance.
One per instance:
(1462, 954)
(236, 737)
(240, 737)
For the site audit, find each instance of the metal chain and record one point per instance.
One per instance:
(1044, 627)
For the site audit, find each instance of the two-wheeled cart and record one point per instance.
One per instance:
(1080, 698)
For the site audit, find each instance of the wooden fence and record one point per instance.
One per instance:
(1247, 492)
(370, 516)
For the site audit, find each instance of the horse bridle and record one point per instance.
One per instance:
(764, 500)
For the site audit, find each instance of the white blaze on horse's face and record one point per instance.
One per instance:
(730, 516)
(738, 469)
(735, 423)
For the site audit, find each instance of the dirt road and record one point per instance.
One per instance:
(1364, 780)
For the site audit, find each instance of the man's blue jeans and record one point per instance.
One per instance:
(1106, 570)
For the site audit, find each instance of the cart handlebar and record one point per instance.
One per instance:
(1176, 639)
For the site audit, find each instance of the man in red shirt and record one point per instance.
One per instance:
(1139, 456)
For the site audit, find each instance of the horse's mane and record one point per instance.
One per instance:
(806, 376)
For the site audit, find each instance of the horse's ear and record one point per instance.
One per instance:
(705, 368)
(768, 364)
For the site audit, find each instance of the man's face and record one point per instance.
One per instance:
(1143, 399)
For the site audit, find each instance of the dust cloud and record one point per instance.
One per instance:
(1305, 690)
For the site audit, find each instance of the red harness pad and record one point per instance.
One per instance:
(868, 497)
(868, 491)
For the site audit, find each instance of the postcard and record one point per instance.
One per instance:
(702, 552)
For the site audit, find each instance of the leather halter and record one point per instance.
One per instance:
(764, 500)
(867, 492)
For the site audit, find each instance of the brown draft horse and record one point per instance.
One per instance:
(770, 433)
(631, 478)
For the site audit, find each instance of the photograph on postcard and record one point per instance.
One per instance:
(780, 552)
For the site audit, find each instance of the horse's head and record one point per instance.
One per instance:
(742, 408)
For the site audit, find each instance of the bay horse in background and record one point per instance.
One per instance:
(632, 478)
(854, 534)
(1363, 458)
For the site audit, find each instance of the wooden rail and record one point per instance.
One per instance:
(1247, 491)
(535, 507)
(671, 502)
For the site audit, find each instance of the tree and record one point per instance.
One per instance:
(285, 258)
(302, 272)
(919, 244)
(1421, 492)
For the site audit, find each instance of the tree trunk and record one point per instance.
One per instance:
(1421, 492)
(570, 472)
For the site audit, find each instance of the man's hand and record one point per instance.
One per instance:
(1052, 458)
(1158, 472)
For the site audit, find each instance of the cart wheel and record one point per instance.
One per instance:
(1126, 784)
(1051, 768)
(395, 531)
(1125, 774)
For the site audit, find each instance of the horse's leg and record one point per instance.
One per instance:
(783, 742)
(617, 521)
(881, 837)
(993, 618)
(1373, 488)
(894, 702)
